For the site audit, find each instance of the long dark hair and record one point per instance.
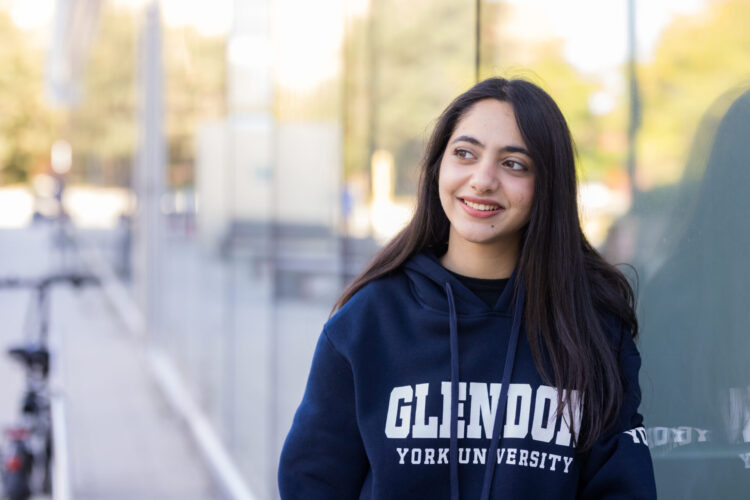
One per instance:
(569, 285)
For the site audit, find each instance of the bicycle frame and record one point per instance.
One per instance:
(28, 446)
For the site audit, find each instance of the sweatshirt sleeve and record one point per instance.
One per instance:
(619, 465)
(323, 456)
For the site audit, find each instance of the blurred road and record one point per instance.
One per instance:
(124, 443)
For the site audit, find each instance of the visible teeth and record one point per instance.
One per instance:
(479, 206)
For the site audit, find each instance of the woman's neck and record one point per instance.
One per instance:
(476, 260)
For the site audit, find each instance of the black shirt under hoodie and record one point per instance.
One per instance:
(489, 290)
(377, 420)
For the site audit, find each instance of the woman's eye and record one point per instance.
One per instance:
(463, 154)
(514, 165)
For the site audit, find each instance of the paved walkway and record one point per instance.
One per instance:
(124, 442)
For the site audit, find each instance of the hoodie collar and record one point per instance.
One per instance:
(436, 288)
(428, 278)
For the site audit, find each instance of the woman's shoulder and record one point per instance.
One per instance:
(375, 295)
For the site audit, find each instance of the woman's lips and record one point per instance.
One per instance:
(479, 212)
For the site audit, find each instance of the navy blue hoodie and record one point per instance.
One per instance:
(377, 420)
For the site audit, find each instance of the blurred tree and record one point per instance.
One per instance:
(405, 62)
(540, 59)
(27, 126)
(104, 124)
(195, 73)
(699, 57)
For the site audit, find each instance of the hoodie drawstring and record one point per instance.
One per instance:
(453, 458)
(510, 358)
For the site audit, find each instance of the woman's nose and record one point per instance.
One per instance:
(485, 178)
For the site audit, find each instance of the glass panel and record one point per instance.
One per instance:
(687, 235)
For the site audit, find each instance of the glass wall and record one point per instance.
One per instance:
(685, 233)
(294, 134)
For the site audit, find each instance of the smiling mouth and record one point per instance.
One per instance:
(481, 206)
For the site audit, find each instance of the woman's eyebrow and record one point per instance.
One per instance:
(511, 148)
(469, 139)
(515, 149)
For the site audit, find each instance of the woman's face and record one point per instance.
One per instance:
(486, 180)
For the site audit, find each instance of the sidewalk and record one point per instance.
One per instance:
(124, 442)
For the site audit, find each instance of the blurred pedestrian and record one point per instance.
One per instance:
(487, 351)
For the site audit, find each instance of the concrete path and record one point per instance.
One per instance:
(124, 442)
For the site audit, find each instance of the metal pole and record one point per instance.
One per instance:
(150, 166)
(635, 105)
(342, 232)
(478, 42)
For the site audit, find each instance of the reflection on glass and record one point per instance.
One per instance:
(694, 316)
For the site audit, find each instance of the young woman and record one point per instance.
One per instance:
(487, 351)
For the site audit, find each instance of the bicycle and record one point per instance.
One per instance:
(27, 450)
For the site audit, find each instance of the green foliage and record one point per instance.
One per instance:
(102, 124)
(544, 64)
(27, 126)
(105, 123)
(572, 91)
(699, 58)
(405, 62)
(195, 74)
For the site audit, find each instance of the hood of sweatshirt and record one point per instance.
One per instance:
(428, 278)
